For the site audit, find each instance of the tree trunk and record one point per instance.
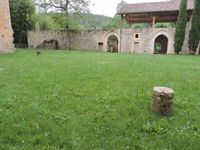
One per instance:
(67, 8)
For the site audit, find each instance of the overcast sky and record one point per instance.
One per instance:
(108, 7)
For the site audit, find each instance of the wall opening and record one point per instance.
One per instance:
(137, 36)
(161, 45)
(112, 44)
(100, 46)
(136, 47)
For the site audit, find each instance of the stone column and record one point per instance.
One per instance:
(6, 32)
(162, 100)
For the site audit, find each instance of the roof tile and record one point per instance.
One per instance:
(172, 5)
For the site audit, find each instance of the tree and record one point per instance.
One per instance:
(57, 21)
(22, 18)
(120, 5)
(114, 23)
(194, 36)
(180, 27)
(65, 6)
(43, 6)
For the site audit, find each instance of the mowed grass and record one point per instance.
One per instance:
(76, 100)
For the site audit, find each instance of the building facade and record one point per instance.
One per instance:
(148, 40)
(132, 40)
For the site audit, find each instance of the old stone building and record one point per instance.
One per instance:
(148, 40)
(6, 33)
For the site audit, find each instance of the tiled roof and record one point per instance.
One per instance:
(172, 5)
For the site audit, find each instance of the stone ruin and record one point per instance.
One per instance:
(146, 40)
(162, 100)
(132, 40)
(6, 32)
(48, 44)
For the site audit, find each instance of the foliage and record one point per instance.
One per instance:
(65, 22)
(157, 48)
(140, 25)
(52, 21)
(77, 100)
(22, 18)
(46, 22)
(165, 25)
(179, 36)
(65, 6)
(59, 21)
(91, 21)
(120, 5)
(43, 6)
(114, 23)
(194, 36)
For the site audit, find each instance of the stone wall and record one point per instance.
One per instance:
(76, 40)
(6, 33)
(133, 40)
(35, 38)
(144, 43)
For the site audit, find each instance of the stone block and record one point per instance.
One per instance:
(162, 100)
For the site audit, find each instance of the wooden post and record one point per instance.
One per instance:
(153, 21)
(121, 26)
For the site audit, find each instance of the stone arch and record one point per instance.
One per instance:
(161, 44)
(112, 43)
(161, 40)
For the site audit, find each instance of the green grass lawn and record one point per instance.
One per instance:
(76, 100)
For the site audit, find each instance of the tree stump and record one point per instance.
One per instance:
(162, 100)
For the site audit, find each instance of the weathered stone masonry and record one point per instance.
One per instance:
(132, 40)
(149, 40)
(6, 33)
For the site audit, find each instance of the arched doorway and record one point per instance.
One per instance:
(112, 44)
(161, 45)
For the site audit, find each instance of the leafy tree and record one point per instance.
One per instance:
(194, 36)
(45, 22)
(64, 22)
(114, 23)
(120, 5)
(180, 27)
(54, 21)
(65, 6)
(111, 24)
(43, 6)
(22, 18)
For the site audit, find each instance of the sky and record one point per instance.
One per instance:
(108, 7)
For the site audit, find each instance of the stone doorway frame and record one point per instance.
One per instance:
(156, 35)
(163, 41)
(106, 41)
